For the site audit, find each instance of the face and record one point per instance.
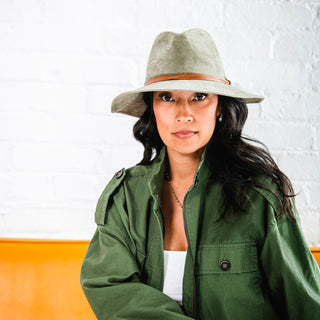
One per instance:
(185, 120)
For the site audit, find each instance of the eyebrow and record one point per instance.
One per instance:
(165, 92)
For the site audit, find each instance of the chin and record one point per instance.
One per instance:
(186, 150)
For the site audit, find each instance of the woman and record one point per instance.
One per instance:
(205, 226)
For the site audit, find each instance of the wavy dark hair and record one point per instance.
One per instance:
(236, 161)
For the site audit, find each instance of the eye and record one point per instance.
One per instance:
(165, 96)
(200, 96)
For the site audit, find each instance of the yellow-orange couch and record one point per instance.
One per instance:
(40, 279)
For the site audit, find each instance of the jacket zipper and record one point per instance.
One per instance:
(162, 228)
(194, 306)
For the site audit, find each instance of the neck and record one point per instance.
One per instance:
(183, 167)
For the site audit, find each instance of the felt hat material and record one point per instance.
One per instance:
(187, 61)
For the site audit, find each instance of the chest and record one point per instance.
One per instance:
(174, 225)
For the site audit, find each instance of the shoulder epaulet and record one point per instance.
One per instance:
(114, 183)
(269, 190)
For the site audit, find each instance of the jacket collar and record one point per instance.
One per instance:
(158, 172)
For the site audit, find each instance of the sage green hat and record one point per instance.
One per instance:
(187, 61)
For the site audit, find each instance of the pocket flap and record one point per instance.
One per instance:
(227, 258)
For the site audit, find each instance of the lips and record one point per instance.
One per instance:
(185, 134)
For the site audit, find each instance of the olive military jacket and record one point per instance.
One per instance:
(247, 266)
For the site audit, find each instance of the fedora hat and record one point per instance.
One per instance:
(187, 61)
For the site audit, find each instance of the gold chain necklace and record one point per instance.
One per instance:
(172, 190)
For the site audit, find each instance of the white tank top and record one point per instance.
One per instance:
(174, 262)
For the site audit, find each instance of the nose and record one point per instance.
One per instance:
(183, 113)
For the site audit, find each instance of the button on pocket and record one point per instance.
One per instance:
(225, 265)
(227, 258)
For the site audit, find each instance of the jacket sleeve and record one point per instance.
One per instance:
(110, 275)
(292, 273)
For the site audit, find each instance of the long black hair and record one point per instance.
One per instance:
(236, 161)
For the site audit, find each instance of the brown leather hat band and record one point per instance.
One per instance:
(188, 76)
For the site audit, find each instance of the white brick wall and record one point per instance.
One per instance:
(62, 62)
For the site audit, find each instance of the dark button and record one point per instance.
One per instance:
(225, 265)
(119, 174)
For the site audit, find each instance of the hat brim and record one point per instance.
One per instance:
(131, 102)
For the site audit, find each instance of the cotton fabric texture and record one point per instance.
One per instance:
(192, 52)
(247, 266)
(174, 262)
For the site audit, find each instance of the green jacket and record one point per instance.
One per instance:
(249, 266)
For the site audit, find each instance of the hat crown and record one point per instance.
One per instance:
(187, 61)
(192, 51)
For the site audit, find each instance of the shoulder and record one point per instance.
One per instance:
(113, 185)
(113, 191)
(270, 192)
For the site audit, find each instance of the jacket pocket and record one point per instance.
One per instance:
(227, 258)
(229, 282)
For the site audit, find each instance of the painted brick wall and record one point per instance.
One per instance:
(62, 62)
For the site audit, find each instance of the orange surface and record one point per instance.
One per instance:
(40, 279)
(316, 253)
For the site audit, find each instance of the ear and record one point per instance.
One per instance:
(219, 108)
(218, 111)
